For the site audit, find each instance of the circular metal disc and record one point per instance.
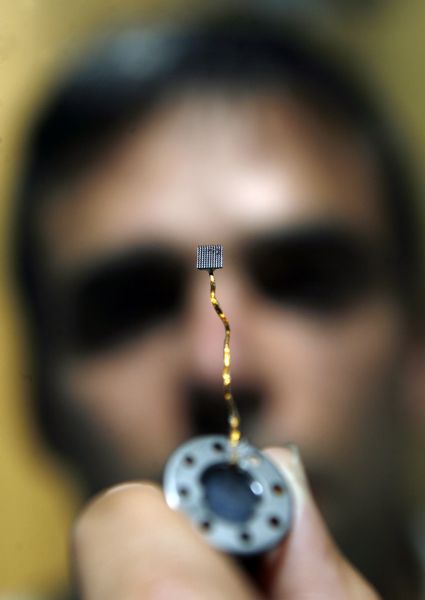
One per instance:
(184, 490)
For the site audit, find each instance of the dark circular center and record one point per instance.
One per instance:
(229, 492)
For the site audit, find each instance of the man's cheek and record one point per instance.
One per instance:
(325, 381)
(134, 396)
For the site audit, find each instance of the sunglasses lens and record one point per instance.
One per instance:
(113, 302)
(320, 272)
(323, 272)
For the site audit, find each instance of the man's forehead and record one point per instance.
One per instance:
(209, 167)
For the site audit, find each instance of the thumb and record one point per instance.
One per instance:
(308, 564)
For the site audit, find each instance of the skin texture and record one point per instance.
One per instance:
(120, 552)
(226, 169)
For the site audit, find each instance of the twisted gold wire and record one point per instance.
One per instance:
(233, 419)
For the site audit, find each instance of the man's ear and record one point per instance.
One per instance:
(415, 382)
(413, 405)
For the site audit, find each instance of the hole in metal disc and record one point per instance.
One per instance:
(277, 489)
(205, 525)
(183, 492)
(274, 522)
(245, 537)
(218, 447)
(189, 460)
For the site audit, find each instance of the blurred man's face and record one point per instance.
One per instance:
(316, 339)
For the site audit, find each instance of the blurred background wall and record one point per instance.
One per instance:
(37, 496)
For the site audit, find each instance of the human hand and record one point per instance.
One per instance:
(129, 545)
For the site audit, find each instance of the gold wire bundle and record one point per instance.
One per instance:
(233, 419)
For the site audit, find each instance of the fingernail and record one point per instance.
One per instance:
(120, 488)
(128, 486)
(296, 459)
(294, 449)
(288, 459)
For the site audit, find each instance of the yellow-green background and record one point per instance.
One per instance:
(37, 498)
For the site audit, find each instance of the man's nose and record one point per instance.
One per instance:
(206, 332)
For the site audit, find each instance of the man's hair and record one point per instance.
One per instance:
(126, 75)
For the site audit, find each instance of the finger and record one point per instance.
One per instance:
(129, 545)
(308, 564)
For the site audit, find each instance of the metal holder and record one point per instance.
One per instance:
(235, 495)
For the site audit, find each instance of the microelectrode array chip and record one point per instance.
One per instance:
(209, 257)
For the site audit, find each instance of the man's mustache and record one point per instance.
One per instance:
(207, 409)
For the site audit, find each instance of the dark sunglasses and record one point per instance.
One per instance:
(323, 271)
